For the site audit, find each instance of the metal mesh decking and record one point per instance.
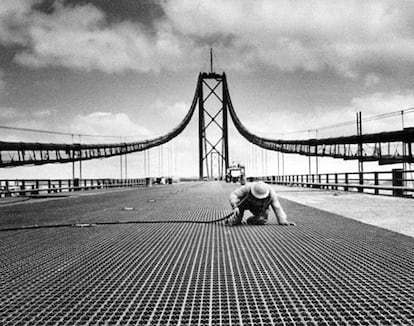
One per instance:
(325, 271)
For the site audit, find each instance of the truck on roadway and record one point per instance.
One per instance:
(236, 173)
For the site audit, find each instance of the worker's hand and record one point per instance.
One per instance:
(286, 222)
(232, 219)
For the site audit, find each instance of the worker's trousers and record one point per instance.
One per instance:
(259, 216)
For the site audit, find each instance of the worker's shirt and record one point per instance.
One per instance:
(243, 197)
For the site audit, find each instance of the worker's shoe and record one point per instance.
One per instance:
(257, 220)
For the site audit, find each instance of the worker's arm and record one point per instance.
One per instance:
(237, 195)
(236, 198)
(280, 215)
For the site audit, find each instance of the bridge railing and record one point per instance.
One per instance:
(396, 182)
(28, 187)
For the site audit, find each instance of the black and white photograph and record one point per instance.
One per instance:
(206, 162)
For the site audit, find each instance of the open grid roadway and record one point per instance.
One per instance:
(328, 270)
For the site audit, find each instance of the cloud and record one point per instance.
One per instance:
(371, 105)
(9, 114)
(371, 80)
(352, 38)
(304, 35)
(38, 120)
(18, 117)
(14, 21)
(107, 123)
(175, 110)
(44, 113)
(384, 103)
(381, 102)
(96, 123)
(80, 37)
(2, 85)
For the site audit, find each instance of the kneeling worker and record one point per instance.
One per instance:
(257, 197)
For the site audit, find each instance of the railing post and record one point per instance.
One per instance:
(376, 183)
(7, 194)
(22, 187)
(346, 181)
(336, 181)
(397, 181)
(76, 182)
(49, 185)
(361, 181)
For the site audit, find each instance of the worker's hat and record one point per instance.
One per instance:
(260, 190)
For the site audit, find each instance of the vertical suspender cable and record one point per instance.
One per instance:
(80, 158)
(310, 157)
(126, 160)
(145, 164)
(316, 157)
(149, 162)
(120, 160)
(278, 163)
(404, 165)
(162, 160)
(159, 161)
(73, 161)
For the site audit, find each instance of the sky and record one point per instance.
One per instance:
(129, 68)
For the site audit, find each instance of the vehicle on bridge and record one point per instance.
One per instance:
(236, 173)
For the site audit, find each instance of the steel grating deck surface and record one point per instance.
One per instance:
(327, 270)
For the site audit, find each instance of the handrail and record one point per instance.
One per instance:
(22, 187)
(398, 183)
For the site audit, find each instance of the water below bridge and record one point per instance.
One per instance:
(326, 270)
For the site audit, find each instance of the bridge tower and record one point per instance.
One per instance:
(213, 126)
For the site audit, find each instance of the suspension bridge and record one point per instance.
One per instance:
(383, 147)
(126, 252)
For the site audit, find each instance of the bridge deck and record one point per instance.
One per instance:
(328, 270)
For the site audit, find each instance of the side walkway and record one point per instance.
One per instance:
(392, 213)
